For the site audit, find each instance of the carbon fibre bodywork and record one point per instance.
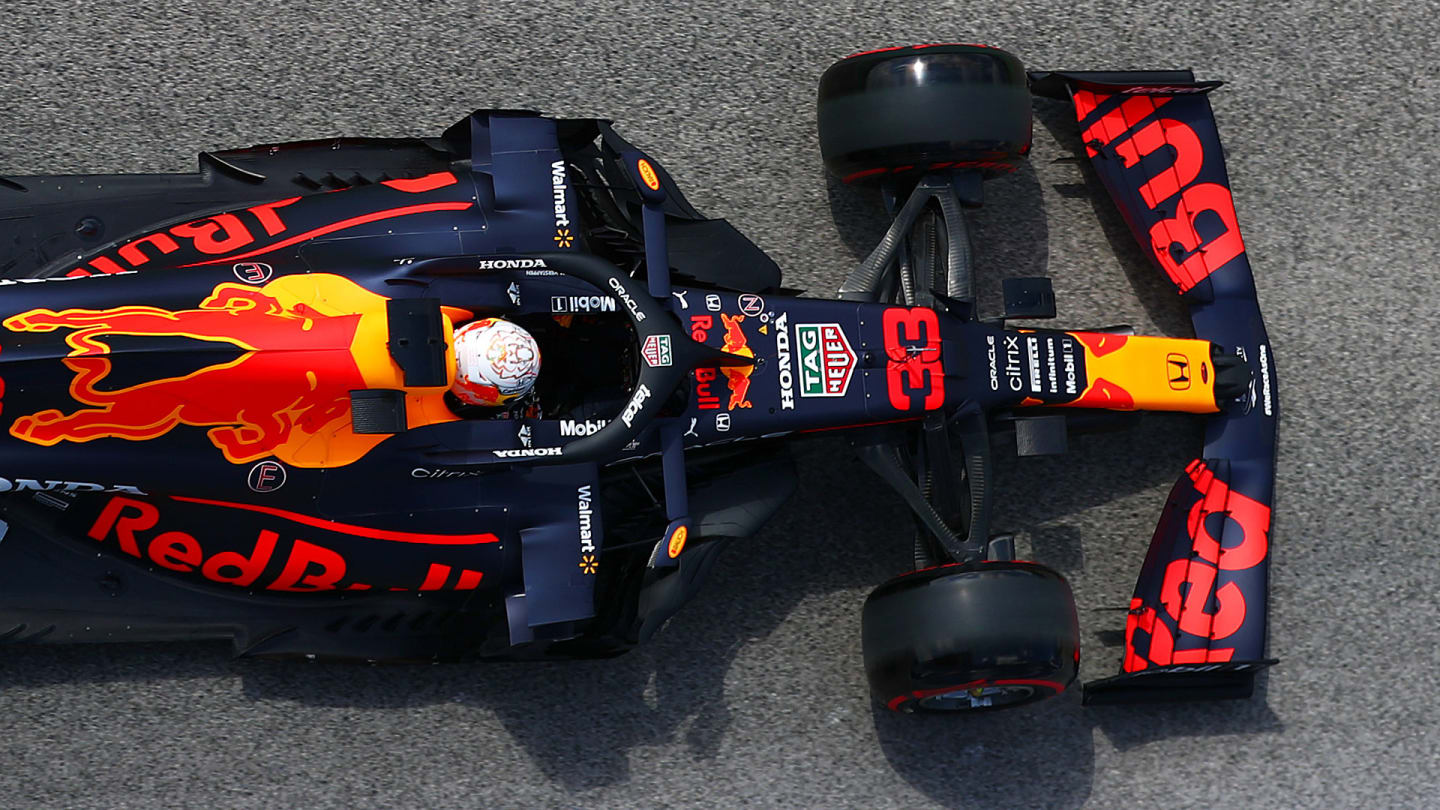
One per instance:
(226, 415)
(242, 406)
(1197, 621)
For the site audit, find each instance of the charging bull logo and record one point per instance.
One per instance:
(303, 343)
(736, 377)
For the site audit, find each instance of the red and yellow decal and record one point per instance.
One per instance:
(647, 174)
(1126, 373)
(677, 542)
(306, 342)
(737, 378)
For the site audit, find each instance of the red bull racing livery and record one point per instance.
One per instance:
(229, 411)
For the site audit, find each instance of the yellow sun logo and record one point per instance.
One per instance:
(563, 238)
(588, 564)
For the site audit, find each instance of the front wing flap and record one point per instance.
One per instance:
(1197, 621)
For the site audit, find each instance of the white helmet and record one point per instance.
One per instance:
(496, 361)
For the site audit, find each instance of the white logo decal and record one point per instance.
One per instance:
(587, 538)
(630, 303)
(1072, 382)
(1032, 353)
(575, 427)
(1265, 379)
(422, 472)
(1014, 372)
(782, 356)
(510, 264)
(633, 408)
(994, 364)
(557, 181)
(33, 485)
(581, 303)
(528, 452)
(1052, 374)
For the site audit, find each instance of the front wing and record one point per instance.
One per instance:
(1197, 621)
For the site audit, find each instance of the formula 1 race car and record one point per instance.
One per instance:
(230, 398)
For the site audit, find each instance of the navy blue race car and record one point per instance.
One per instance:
(504, 393)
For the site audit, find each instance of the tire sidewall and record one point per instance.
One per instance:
(871, 128)
(970, 625)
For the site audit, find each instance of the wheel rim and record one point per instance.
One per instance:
(979, 697)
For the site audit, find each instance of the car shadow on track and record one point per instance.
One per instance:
(1044, 755)
(1128, 727)
(1033, 756)
(697, 684)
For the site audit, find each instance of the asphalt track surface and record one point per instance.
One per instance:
(754, 696)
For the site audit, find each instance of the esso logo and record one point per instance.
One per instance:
(267, 476)
(253, 272)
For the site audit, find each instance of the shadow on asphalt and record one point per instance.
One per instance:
(1041, 755)
(581, 722)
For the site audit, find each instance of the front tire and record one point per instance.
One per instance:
(970, 637)
(921, 108)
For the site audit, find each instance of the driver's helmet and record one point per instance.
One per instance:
(496, 361)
